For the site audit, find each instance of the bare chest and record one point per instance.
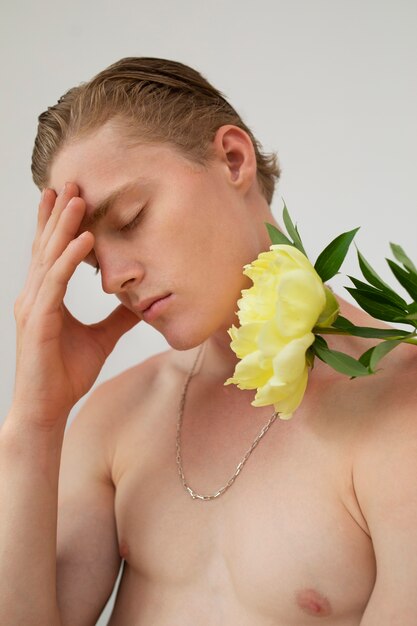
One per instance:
(281, 546)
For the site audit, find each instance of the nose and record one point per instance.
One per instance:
(119, 275)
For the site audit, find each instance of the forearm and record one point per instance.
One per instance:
(29, 471)
(58, 360)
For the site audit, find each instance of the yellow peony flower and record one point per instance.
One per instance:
(277, 315)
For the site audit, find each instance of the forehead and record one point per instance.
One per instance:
(104, 161)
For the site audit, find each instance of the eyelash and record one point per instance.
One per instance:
(131, 225)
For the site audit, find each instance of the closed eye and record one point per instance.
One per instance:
(133, 223)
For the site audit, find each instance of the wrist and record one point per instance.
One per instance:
(22, 433)
(37, 417)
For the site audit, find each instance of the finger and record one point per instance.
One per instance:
(39, 264)
(119, 322)
(46, 204)
(67, 227)
(68, 191)
(54, 285)
(47, 255)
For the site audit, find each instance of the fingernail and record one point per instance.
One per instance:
(70, 203)
(63, 189)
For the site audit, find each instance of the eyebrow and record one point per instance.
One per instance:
(103, 207)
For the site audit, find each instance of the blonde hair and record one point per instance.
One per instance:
(156, 100)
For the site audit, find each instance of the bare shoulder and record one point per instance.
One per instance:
(124, 398)
(385, 462)
(115, 398)
(382, 402)
(395, 399)
(140, 382)
(112, 413)
(131, 385)
(372, 421)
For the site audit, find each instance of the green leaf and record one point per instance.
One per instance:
(412, 311)
(407, 279)
(412, 308)
(310, 358)
(319, 341)
(276, 236)
(368, 332)
(329, 261)
(386, 296)
(370, 275)
(340, 361)
(401, 256)
(330, 311)
(411, 316)
(380, 351)
(342, 322)
(371, 357)
(379, 333)
(381, 311)
(365, 358)
(292, 230)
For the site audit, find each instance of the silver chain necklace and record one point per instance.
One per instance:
(230, 482)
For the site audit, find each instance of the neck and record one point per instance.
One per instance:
(219, 359)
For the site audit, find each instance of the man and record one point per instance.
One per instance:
(322, 519)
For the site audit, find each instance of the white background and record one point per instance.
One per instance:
(329, 84)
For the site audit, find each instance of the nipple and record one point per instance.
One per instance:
(313, 603)
(123, 549)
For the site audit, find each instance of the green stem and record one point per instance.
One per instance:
(412, 338)
(329, 331)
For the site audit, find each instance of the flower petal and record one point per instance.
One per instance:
(301, 298)
(277, 315)
(245, 339)
(249, 374)
(286, 398)
(289, 363)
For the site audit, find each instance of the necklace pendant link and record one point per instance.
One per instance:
(194, 495)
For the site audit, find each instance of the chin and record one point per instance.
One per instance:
(184, 341)
(188, 335)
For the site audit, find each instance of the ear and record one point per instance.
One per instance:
(234, 148)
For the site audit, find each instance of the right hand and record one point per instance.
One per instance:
(58, 357)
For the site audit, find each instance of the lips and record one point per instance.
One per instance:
(148, 302)
(156, 308)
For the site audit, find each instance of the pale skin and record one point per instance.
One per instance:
(322, 521)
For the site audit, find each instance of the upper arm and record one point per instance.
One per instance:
(88, 559)
(386, 487)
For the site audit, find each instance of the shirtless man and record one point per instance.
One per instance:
(321, 524)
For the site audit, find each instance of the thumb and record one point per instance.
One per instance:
(114, 326)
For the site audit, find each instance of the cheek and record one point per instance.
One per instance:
(214, 291)
(212, 265)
